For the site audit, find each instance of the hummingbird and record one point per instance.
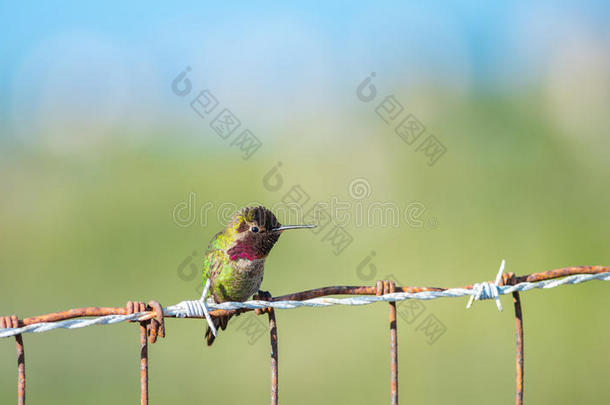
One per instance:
(235, 259)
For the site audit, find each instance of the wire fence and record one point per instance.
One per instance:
(151, 317)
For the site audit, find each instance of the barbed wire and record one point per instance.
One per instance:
(194, 309)
(151, 317)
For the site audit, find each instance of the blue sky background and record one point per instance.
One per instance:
(286, 58)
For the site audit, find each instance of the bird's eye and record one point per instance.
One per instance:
(254, 229)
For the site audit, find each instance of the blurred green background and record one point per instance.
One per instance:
(96, 151)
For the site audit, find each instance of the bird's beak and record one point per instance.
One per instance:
(285, 227)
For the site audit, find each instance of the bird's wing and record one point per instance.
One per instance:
(216, 242)
(212, 262)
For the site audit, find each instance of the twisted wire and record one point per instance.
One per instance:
(188, 309)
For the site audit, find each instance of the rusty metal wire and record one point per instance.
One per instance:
(274, 358)
(13, 322)
(151, 318)
(388, 287)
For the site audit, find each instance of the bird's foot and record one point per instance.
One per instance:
(155, 326)
(262, 296)
(385, 287)
(9, 322)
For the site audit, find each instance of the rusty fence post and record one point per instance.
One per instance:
(274, 357)
(519, 349)
(150, 329)
(13, 322)
(390, 287)
(20, 370)
(20, 364)
(143, 364)
(382, 288)
(393, 354)
(511, 279)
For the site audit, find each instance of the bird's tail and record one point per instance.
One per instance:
(220, 322)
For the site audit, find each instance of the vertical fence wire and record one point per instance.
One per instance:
(143, 365)
(274, 358)
(20, 370)
(519, 349)
(382, 288)
(155, 322)
(13, 322)
(393, 354)
(511, 279)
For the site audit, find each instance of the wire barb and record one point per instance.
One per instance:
(190, 309)
(203, 307)
(194, 309)
(154, 313)
(487, 290)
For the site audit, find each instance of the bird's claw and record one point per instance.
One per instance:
(385, 287)
(155, 326)
(262, 296)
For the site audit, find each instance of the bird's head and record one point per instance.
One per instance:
(254, 231)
